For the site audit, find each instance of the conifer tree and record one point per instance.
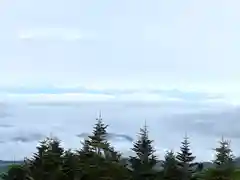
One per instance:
(224, 155)
(185, 160)
(224, 164)
(145, 160)
(71, 168)
(47, 162)
(91, 154)
(170, 167)
(98, 159)
(35, 165)
(97, 141)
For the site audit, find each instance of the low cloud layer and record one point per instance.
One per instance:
(6, 125)
(168, 121)
(111, 136)
(16, 136)
(4, 110)
(59, 96)
(56, 34)
(27, 137)
(211, 123)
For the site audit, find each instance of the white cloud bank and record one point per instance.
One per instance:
(141, 97)
(48, 34)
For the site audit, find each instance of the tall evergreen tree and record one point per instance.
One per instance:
(98, 158)
(145, 160)
(70, 167)
(92, 153)
(47, 162)
(170, 167)
(97, 141)
(35, 165)
(224, 164)
(185, 160)
(224, 155)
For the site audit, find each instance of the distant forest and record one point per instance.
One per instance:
(98, 160)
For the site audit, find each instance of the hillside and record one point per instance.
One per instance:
(4, 164)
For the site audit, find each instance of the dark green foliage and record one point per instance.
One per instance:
(224, 156)
(97, 141)
(185, 159)
(47, 163)
(200, 167)
(70, 166)
(144, 162)
(16, 172)
(98, 159)
(224, 165)
(170, 167)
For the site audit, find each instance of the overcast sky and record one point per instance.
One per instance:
(188, 43)
(119, 44)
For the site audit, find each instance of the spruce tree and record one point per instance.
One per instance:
(35, 165)
(97, 141)
(70, 168)
(47, 162)
(92, 153)
(224, 163)
(98, 159)
(185, 160)
(170, 167)
(145, 160)
(224, 155)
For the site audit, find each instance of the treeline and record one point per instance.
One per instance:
(98, 160)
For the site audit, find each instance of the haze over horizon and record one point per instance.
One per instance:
(173, 63)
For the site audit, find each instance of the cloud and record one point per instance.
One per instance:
(4, 114)
(19, 136)
(65, 95)
(209, 123)
(57, 98)
(28, 137)
(6, 125)
(4, 111)
(83, 135)
(111, 136)
(120, 137)
(64, 34)
(1, 141)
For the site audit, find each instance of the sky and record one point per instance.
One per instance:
(173, 63)
(181, 44)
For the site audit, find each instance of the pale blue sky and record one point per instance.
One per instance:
(188, 43)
